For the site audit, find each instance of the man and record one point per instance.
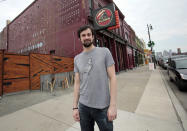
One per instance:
(93, 67)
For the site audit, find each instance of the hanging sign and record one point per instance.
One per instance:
(117, 21)
(104, 17)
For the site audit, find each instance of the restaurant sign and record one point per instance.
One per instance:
(104, 17)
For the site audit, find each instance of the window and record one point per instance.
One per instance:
(126, 36)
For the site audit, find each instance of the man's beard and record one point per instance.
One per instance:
(87, 44)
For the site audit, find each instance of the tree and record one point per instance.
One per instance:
(151, 44)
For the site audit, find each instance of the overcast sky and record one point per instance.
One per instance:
(168, 18)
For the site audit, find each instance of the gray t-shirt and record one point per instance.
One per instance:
(94, 84)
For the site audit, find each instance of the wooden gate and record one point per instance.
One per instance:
(46, 64)
(15, 73)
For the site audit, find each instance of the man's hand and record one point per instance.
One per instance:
(76, 115)
(112, 113)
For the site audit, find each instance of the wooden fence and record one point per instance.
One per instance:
(15, 73)
(21, 72)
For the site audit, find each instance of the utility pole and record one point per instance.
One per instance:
(151, 44)
(149, 27)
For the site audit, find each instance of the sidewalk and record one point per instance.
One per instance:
(149, 108)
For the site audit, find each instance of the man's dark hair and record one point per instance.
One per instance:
(83, 28)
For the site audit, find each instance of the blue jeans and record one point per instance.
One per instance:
(88, 117)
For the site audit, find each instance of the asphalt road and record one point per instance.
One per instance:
(181, 96)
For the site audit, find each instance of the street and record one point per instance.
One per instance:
(181, 96)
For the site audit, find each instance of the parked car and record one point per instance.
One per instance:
(177, 71)
(175, 57)
(163, 62)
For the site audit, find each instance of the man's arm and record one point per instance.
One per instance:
(76, 97)
(112, 111)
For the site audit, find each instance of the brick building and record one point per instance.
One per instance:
(50, 27)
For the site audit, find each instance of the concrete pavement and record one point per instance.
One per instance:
(144, 104)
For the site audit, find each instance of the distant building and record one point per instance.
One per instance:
(170, 53)
(159, 54)
(178, 50)
(165, 53)
(144, 44)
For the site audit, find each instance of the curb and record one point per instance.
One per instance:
(180, 111)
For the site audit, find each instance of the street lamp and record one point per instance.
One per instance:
(150, 43)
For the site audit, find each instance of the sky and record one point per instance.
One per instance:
(167, 17)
